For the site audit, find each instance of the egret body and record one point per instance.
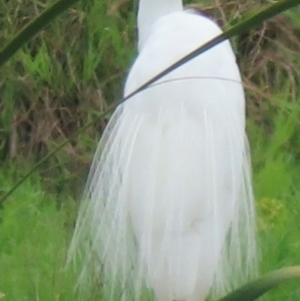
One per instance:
(168, 202)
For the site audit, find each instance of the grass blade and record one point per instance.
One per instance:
(247, 24)
(33, 27)
(254, 289)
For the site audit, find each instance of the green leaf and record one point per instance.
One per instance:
(255, 289)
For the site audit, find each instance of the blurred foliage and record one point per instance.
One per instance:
(33, 243)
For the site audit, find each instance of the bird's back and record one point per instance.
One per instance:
(174, 36)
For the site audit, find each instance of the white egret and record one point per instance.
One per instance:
(168, 202)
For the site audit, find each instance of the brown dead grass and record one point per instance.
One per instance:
(47, 113)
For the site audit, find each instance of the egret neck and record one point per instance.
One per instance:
(149, 12)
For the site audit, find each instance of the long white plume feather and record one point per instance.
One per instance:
(168, 203)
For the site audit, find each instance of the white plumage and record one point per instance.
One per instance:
(168, 202)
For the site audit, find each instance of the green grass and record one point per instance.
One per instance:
(33, 242)
(61, 81)
(276, 182)
(36, 226)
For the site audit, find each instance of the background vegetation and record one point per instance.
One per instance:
(67, 75)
